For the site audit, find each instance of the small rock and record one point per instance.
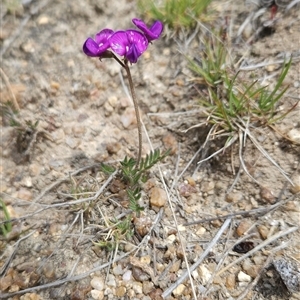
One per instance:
(294, 135)
(79, 130)
(243, 227)
(120, 291)
(24, 194)
(263, 231)
(127, 275)
(186, 190)
(267, 195)
(158, 197)
(139, 274)
(243, 277)
(43, 20)
(113, 148)
(204, 274)
(117, 270)
(142, 225)
(113, 101)
(97, 283)
(58, 136)
(201, 231)
(128, 117)
(234, 197)
(175, 266)
(147, 287)
(207, 187)
(97, 295)
(179, 290)
(137, 287)
(111, 280)
(230, 281)
(170, 142)
(71, 142)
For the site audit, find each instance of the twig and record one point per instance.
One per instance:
(258, 247)
(167, 292)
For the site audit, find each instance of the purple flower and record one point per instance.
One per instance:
(130, 44)
(153, 33)
(98, 47)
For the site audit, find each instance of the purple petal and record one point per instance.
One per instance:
(153, 33)
(138, 39)
(103, 36)
(119, 42)
(91, 48)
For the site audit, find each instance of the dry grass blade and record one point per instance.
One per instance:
(258, 247)
(168, 291)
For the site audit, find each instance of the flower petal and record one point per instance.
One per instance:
(119, 42)
(138, 39)
(153, 33)
(103, 36)
(91, 48)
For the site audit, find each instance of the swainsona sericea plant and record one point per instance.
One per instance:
(129, 44)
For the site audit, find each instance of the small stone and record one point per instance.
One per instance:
(58, 136)
(137, 287)
(170, 142)
(145, 260)
(179, 290)
(139, 274)
(142, 225)
(207, 186)
(243, 277)
(55, 85)
(43, 20)
(158, 197)
(270, 68)
(117, 270)
(113, 148)
(294, 135)
(230, 281)
(97, 283)
(267, 195)
(243, 227)
(127, 275)
(147, 287)
(24, 194)
(234, 197)
(263, 231)
(175, 266)
(111, 280)
(71, 142)
(128, 117)
(201, 231)
(120, 291)
(204, 274)
(113, 101)
(97, 294)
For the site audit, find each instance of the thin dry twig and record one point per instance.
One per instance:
(167, 292)
(258, 247)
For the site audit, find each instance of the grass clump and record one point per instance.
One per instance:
(5, 223)
(233, 107)
(176, 14)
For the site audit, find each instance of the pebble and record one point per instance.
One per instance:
(58, 136)
(30, 296)
(179, 290)
(113, 148)
(204, 274)
(142, 225)
(71, 142)
(294, 135)
(243, 277)
(127, 275)
(97, 283)
(170, 142)
(117, 270)
(267, 195)
(158, 197)
(207, 187)
(111, 280)
(43, 20)
(120, 291)
(128, 117)
(234, 197)
(24, 194)
(263, 231)
(137, 287)
(230, 281)
(97, 295)
(243, 227)
(147, 287)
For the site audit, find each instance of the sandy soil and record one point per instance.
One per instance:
(85, 117)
